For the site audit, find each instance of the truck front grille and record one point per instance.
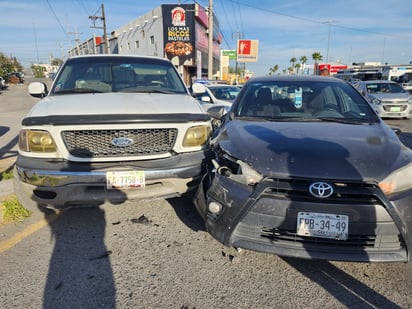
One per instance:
(100, 143)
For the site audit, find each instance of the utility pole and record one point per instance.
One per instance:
(77, 40)
(210, 49)
(238, 36)
(103, 19)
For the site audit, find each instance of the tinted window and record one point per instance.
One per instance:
(308, 100)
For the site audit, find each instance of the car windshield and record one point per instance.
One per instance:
(227, 93)
(117, 74)
(303, 100)
(384, 88)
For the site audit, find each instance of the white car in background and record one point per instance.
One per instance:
(215, 94)
(387, 98)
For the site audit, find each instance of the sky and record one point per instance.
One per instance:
(344, 31)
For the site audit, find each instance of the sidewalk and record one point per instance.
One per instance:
(6, 186)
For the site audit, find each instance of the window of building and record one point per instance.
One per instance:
(152, 41)
(136, 44)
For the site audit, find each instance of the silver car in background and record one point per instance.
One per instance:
(388, 98)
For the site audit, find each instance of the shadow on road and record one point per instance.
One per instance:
(349, 291)
(186, 212)
(80, 272)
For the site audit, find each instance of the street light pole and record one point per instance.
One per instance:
(210, 49)
(327, 51)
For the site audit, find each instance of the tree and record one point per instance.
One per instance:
(8, 65)
(303, 61)
(293, 61)
(297, 67)
(57, 61)
(274, 69)
(316, 56)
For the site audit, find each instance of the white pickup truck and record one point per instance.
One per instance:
(111, 128)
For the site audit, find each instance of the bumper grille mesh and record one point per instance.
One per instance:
(99, 143)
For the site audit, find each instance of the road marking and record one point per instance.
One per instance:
(18, 237)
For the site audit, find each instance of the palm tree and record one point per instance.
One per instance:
(274, 69)
(316, 56)
(293, 61)
(303, 61)
(297, 67)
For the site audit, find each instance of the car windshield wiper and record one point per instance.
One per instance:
(343, 120)
(147, 91)
(77, 90)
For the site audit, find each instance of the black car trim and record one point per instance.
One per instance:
(60, 120)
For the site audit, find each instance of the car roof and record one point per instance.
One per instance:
(378, 81)
(117, 56)
(294, 78)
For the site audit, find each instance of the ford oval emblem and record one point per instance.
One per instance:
(321, 189)
(122, 141)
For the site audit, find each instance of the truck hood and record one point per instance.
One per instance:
(116, 103)
(315, 150)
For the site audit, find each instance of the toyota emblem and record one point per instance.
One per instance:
(321, 189)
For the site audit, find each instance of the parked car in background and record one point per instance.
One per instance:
(3, 84)
(327, 180)
(112, 128)
(215, 94)
(16, 77)
(388, 98)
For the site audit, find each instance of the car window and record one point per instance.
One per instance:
(305, 100)
(384, 88)
(115, 74)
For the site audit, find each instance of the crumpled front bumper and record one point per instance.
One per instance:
(261, 219)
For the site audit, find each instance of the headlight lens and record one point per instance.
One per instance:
(400, 180)
(36, 141)
(376, 101)
(196, 136)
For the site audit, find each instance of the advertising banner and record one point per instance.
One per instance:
(179, 33)
(247, 50)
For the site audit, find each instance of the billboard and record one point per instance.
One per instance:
(179, 33)
(247, 50)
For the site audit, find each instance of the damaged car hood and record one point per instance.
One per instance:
(314, 149)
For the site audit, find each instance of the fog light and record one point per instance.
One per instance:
(215, 207)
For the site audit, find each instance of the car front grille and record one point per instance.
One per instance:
(382, 242)
(344, 192)
(99, 143)
(390, 106)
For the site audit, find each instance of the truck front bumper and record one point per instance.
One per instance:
(62, 184)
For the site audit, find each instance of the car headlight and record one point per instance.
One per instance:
(196, 136)
(36, 141)
(376, 101)
(400, 180)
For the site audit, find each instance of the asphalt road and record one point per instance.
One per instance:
(156, 254)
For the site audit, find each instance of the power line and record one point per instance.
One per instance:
(58, 20)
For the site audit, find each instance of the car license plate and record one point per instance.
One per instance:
(124, 180)
(395, 109)
(322, 225)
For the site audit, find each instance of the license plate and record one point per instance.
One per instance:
(124, 180)
(322, 225)
(395, 109)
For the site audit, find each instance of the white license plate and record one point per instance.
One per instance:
(124, 180)
(395, 109)
(323, 225)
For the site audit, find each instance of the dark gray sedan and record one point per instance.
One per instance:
(312, 174)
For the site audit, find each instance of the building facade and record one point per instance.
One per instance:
(178, 32)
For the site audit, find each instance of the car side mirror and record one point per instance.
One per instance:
(218, 111)
(198, 88)
(38, 89)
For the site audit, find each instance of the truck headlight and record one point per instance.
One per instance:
(196, 136)
(36, 141)
(400, 180)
